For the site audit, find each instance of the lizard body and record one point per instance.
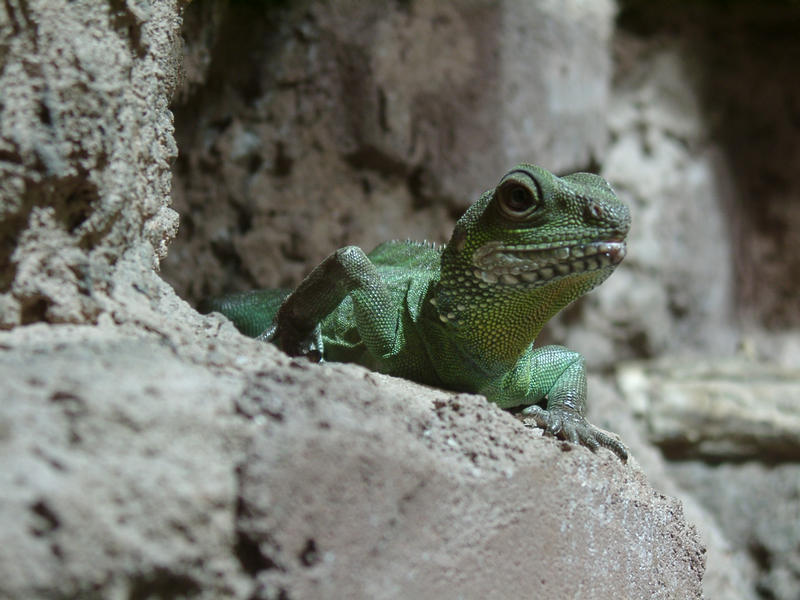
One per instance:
(464, 316)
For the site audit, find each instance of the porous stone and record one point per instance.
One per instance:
(368, 122)
(86, 147)
(135, 466)
(720, 410)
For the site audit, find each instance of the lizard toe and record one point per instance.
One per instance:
(569, 425)
(613, 444)
(294, 342)
(268, 334)
(543, 419)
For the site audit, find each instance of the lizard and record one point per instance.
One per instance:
(464, 316)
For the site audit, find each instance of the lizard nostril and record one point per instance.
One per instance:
(594, 210)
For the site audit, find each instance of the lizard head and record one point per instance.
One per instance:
(537, 241)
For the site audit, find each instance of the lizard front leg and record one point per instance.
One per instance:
(559, 375)
(296, 329)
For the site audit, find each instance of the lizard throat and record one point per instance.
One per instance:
(532, 267)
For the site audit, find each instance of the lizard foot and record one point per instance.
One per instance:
(293, 343)
(568, 425)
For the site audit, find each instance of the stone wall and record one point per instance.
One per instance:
(311, 126)
(86, 150)
(705, 126)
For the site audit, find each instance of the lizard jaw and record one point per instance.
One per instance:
(496, 263)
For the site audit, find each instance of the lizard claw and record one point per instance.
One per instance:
(269, 334)
(569, 425)
(293, 343)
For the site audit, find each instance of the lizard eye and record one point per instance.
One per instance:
(517, 201)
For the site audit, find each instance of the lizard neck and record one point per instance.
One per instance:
(498, 326)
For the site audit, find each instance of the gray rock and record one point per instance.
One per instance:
(86, 147)
(450, 490)
(721, 410)
(375, 121)
(707, 163)
(134, 469)
(118, 473)
(676, 287)
(770, 496)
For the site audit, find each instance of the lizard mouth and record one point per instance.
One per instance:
(512, 265)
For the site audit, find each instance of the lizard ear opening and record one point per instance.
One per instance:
(458, 239)
(516, 200)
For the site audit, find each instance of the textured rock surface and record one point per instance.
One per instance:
(86, 142)
(370, 122)
(118, 475)
(707, 163)
(667, 298)
(732, 146)
(717, 410)
(740, 419)
(453, 498)
(134, 467)
(770, 493)
(730, 570)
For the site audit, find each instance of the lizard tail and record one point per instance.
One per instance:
(251, 312)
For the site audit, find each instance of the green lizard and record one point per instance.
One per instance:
(464, 316)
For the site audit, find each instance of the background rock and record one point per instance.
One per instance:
(370, 122)
(703, 147)
(715, 410)
(758, 506)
